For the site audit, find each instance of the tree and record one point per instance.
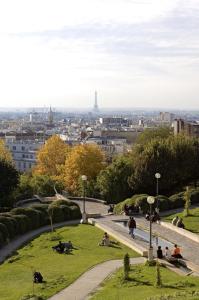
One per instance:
(82, 160)
(9, 179)
(113, 181)
(43, 185)
(51, 157)
(174, 158)
(187, 198)
(4, 152)
(126, 266)
(24, 189)
(158, 275)
(149, 134)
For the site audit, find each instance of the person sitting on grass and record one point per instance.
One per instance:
(59, 248)
(174, 221)
(37, 277)
(180, 223)
(159, 252)
(111, 208)
(105, 240)
(68, 246)
(176, 252)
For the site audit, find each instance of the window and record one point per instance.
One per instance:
(22, 148)
(13, 147)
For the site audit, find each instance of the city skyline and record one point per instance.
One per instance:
(141, 54)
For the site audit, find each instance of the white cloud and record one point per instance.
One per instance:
(135, 53)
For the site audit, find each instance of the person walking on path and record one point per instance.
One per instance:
(132, 226)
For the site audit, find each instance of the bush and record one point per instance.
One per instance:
(57, 214)
(1, 239)
(194, 196)
(163, 202)
(75, 212)
(5, 209)
(177, 200)
(34, 215)
(4, 232)
(66, 211)
(10, 224)
(24, 223)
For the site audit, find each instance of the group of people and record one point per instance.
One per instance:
(63, 247)
(170, 256)
(178, 222)
(155, 217)
(130, 209)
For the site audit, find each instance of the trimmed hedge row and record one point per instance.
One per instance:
(164, 203)
(21, 220)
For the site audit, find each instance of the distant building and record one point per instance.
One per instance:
(181, 126)
(110, 145)
(23, 153)
(166, 117)
(113, 121)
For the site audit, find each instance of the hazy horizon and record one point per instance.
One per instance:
(134, 53)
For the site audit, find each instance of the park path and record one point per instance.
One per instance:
(88, 282)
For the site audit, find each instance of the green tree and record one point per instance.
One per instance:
(24, 189)
(113, 181)
(43, 185)
(158, 275)
(187, 198)
(9, 179)
(126, 266)
(149, 134)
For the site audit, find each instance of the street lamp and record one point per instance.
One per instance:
(157, 176)
(84, 217)
(150, 200)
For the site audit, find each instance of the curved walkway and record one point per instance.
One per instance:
(88, 282)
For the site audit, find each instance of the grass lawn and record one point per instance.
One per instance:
(141, 286)
(191, 222)
(58, 270)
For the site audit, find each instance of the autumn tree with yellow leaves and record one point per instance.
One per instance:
(5, 153)
(86, 160)
(51, 157)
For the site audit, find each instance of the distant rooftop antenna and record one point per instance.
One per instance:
(95, 108)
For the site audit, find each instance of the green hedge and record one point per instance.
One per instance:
(164, 203)
(22, 219)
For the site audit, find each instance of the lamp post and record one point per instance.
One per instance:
(157, 176)
(84, 217)
(150, 201)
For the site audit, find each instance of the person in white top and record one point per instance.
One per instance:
(168, 253)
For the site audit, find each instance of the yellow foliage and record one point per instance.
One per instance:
(4, 152)
(51, 156)
(83, 160)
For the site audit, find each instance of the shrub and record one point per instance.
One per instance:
(4, 232)
(24, 223)
(5, 209)
(57, 214)
(10, 225)
(33, 214)
(177, 200)
(163, 202)
(126, 266)
(75, 212)
(1, 239)
(194, 196)
(66, 211)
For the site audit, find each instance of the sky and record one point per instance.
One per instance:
(142, 53)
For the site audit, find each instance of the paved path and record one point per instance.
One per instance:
(90, 280)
